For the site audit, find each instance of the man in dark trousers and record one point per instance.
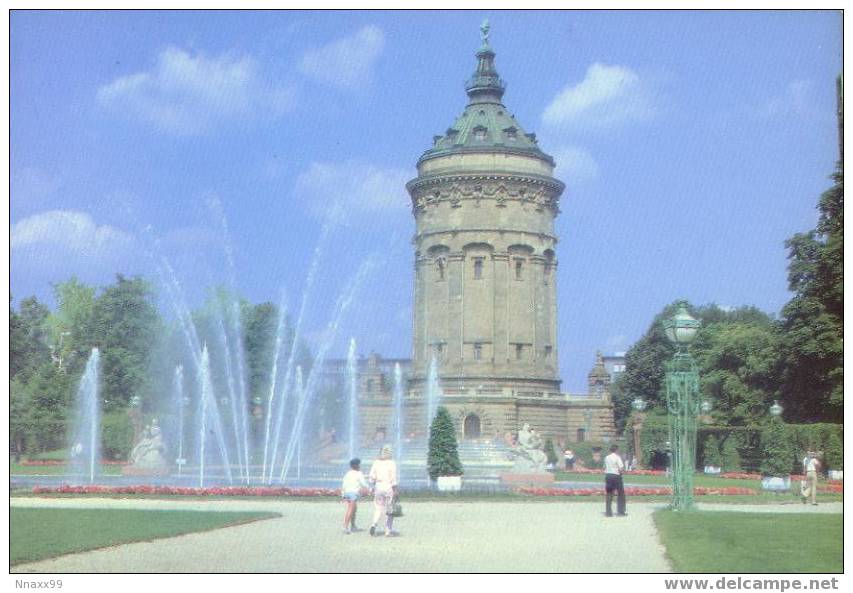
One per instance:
(613, 468)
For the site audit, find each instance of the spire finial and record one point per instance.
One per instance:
(484, 32)
(485, 86)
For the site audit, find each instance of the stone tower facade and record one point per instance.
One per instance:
(484, 202)
(485, 296)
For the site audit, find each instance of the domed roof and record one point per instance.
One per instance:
(486, 125)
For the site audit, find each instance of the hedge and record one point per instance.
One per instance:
(740, 446)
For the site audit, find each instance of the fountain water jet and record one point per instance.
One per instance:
(279, 336)
(434, 393)
(297, 332)
(398, 413)
(352, 379)
(205, 393)
(232, 396)
(86, 447)
(178, 390)
(343, 304)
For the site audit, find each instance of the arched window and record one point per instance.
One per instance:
(439, 266)
(581, 435)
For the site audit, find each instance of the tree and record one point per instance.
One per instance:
(738, 370)
(834, 454)
(71, 324)
(443, 456)
(712, 455)
(125, 326)
(28, 338)
(777, 450)
(813, 320)
(731, 455)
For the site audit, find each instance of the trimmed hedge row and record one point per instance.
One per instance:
(739, 448)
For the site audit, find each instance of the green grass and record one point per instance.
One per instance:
(36, 534)
(698, 480)
(55, 470)
(738, 542)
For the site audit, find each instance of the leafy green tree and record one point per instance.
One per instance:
(71, 324)
(28, 338)
(712, 455)
(834, 454)
(813, 320)
(778, 454)
(738, 370)
(116, 435)
(731, 456)
(443, 455)
(259, 327)
(125, 326)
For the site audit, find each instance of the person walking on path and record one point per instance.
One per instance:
(383, 476)
(808, 487)
(354, 482)
(613, 468)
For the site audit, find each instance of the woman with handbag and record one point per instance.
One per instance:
(383, 476)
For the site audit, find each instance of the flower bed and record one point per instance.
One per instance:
(660, 491)
(188, 491)
(53, 462)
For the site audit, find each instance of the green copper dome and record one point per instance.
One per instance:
(485, 125)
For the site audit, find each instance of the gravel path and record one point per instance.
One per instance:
(436, 537)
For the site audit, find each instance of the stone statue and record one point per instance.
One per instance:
(484, 31)
(528, 453)
(148, 452)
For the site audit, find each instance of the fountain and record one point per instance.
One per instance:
(434, 393)
(86, 444)
(279, 336)
(205, 394)
(178, 391)
(352, 383)
(398, 413)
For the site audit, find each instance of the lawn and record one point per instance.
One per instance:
(17, 469)
(737, 542)
(36, 534)
(698, 480)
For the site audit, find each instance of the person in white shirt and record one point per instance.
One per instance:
(383, 476)
(569, 458)
(351, 487)
(613, 468)
(808, 487)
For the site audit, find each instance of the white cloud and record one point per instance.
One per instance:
(354, 186)
(346, 63)
(186, 94)
(69, 231)
(575, 165)
(796, 99)
(607, 96)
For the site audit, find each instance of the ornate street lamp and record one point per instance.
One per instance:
(639, 405)
(776, 410)
(682, 402)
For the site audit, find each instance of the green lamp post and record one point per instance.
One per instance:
(683, 405)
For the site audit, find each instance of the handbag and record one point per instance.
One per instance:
(395, 509)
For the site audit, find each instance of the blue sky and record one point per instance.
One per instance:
(692, 145)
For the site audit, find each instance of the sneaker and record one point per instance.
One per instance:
(392, 534)
(621, 514)
(356, 529)
(373, 530)
(346, 532)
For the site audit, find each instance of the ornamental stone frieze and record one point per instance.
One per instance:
(542, 193)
